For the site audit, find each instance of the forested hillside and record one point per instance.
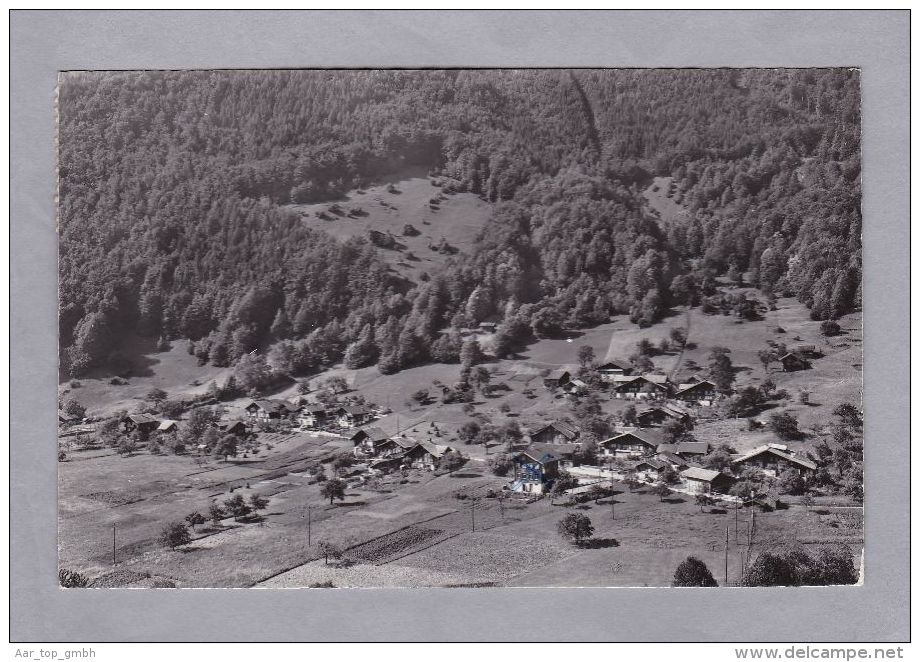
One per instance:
(172, 187)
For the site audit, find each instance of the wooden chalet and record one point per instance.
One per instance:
(688, 450)
(352, 416)
(611, 369)
(425, 455)
(640, 386)
(367, 440)
(144, 423)
(533, 471)
(575, 387)
(313, 416)
(629, 444)
(167, 427)
(653, 467)
(557, 432)
(270, 411)
(658, 415)
(772, 461)
(705, 481)
(701, 392)
(231, 427)
(557, 378)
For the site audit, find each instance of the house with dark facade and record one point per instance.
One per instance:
(688, 450)
(352, 416)
(794, 361)
(661, 414)
(313, 416)
(772, 461)
(533, 471)
(640, 387)
(557, 378)
(425, 455)
(630, 444)
(557, 432)
(607, 371)
(270, 412)
(699, 392)
(367, 440)
(143, 423)
(697, 480)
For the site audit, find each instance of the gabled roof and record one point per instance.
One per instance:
(625, 378)
(654, 463)
(688, 447)
(655, 379)
(689, 386)
(698, 473)
(229, 425)
(784, 455)
(661, 381)
(166, 426)
(561, 427)
(675, 410)
(405, 443)
(577, 382)
(435, 450)
(613, 365)
(353, 410)
(274, 406)
(538, 454)
(623, 437)
(374, 434)
(672, 458)
(558, 374)
(314, 409)
(140, 418)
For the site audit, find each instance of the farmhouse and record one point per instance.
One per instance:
(557, 432)
(640, 386)
(701, 392)
(575, 387)
(772, 461)
(652, 467)
(231, 427)
(424, 455)
(143, 423)
(534, 471)
(703, 481)
(628, 443)
(676, 461)
(687, 450)
(367, 440)
(611, 369)
(351, 416)
(793, 362)
(269, 411)
(654, 416)
(395, 447)
(313, 416)
(557, 378)
(167, 427)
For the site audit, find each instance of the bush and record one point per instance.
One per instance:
(71, 579)
(830, 328)
(175, 535)
(693, 572)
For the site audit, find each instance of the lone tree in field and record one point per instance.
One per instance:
(333, 489)
(216, 514)
(693, 572)
(258, 503)
(721, 370)
(175, 535)
(329, 549)
(585, 356)
(576, 527)
(194, 519)
(786, 426)
(237, 506)
(661, 491)
(451, 461)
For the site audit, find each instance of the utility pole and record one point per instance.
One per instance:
(473, 513)
(726, 554)
(309, 525)
(613, 501)
(751, 528)
(113, 543)
(737, 508)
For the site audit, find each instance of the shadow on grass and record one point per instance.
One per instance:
(717, 511)
(599, 543)
(466, 474)
(674, 500)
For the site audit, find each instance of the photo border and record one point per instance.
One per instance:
(44, 42)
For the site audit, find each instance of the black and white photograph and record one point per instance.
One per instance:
(404, 328)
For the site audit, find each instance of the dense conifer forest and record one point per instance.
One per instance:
(173, 188)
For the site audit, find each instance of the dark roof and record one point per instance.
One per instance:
(558, 374)
(314, 409)
(559, 451)
(654, 463)
(687, 387)
(689, 447)
(561, 427)
(374, 434)
(353, 410)
(538, 454)
(620, 438)
(613, 365)
(274, 406)
(760, 450)
(672, 458)
(140, 418)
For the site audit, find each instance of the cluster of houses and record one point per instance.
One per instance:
(617, 379)
(553, 447)
(385, 452)
(307, 416)
(147, 424)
